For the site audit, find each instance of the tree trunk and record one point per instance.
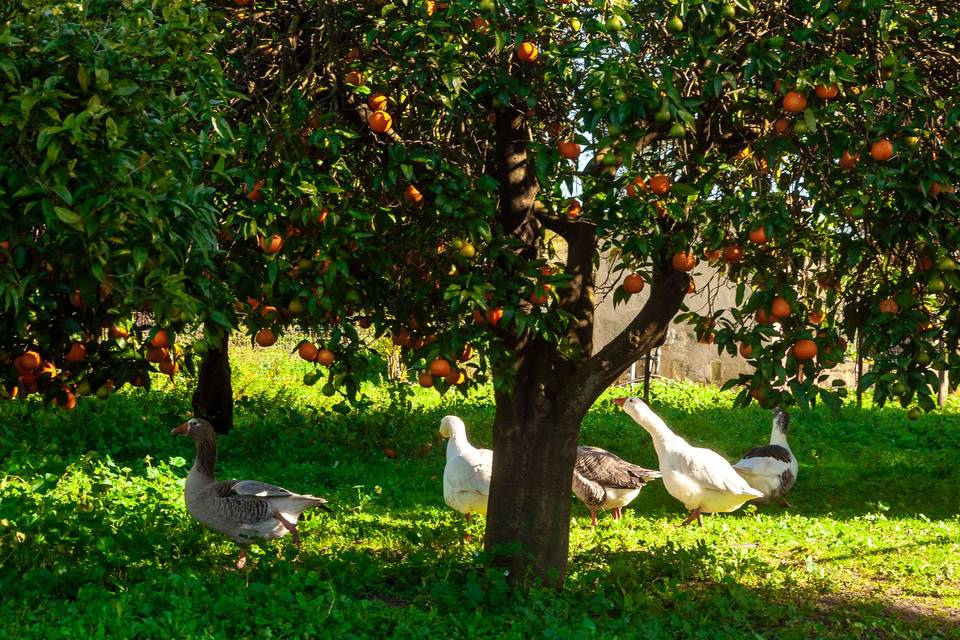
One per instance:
(213, 397)
(534, 440)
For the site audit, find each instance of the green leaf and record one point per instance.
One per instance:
(125, 87)
(68, 216)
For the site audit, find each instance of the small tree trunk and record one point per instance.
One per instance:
(213, 397)
(528, 517)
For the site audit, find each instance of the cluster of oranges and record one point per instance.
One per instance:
(311, 353)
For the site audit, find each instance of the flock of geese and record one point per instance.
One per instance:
(701, 479)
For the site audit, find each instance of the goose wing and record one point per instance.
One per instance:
(711, 471)
(609, 470)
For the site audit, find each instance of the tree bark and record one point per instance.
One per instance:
(213, 397)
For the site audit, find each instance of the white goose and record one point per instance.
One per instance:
(240, 509)
(771, 469)
(466, 476)
(605, 481)
(699, 478)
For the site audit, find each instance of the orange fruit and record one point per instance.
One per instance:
(849, 160)
(77, 352)
(637, 185)
(268, 312)
(466, 354)
(168, 367)
(380, 121)
(527, 52)
(66, 399)
(425, 380)
(354, 78)
(826, 92)
(763, 317)
(440, 368)
(271, 245)
(780, 308)
(455, 377)
(30, 360)
(660, 184)
(117, 332)
(157, 354)
(377, 102)
(325, 357)
(307, 350)
(322, 215)
(413, 195)
(47, 369)
(881, 150)
(794, 102)
(160, 339)
(265, 338)
(712, 254)
(746, 350)
(732, 254)
(633, 283)
(781, 126)
(494, 315)
(815, 316)
(758, 236)
(568, 150)
(254, 195)
(480, 26)
(573, 208)
(76, 300)
(889, 306)
(401, 338)
(684, 261)
(804, 350)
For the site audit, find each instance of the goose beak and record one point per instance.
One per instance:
(182, 430)
(619, 401)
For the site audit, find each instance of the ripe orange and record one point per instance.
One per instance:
(826, 92)
(425, 380)
(265, 338)
(169, 367)
(76, 300)
(77, 352)
(65, 399)
(322, 215)
(849, 160)
(780, 308)
(377, 102)
(889, 306)
(30, 360)
(380, 121)
(763, 317)
(732, 254)
(527, 52)
(815, 316)
(633, 283)
(712, 254)
(254, 195)
(494, 315)
(354, 78)
(160, 339)
(157, 354)
(794, 102)
(684, 261)
(440, 368)
(781, 126)
(117, 332)
(363, 322)
(804, 350)
(573, 208)
(307, 350)
(325, 357)
(881, 150)
(271, 245)
(758, 236)
(401, 338)
(480, 26)
(479, 317)
(746, 350)
(568, 150)
(413, 195)
(268, 312)
(637, 185)
(47, 369)
(466, 354)
(660, 184)
(455, 377)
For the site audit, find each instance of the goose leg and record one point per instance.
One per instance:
(593, 517)
(242, 560)
(468, 516)
(289, 526)
(694, 515)
(784, 503)
(617, 513)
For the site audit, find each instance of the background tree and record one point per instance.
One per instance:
(407, 169)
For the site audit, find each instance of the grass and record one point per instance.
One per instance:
(95, 542)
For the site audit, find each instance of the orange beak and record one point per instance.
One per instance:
(182, 430)
(619, 401)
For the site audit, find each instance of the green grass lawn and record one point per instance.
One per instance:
(95, 541)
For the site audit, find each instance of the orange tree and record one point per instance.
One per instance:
(407, 169)
(109, 113)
